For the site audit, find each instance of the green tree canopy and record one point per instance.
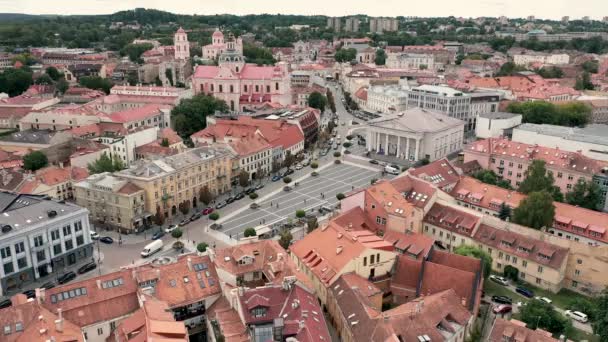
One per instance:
(535, 211)
(380, 57)
(177, 233)
(585, 194)
(35, 160)
(591, 66)
(258, 55)
(505, 212)
(105, 163)
(15, 81)
(509, 68)
(540, 112)
(317, 100)
(44, 79)
(550, 72)
(96, 82)
(134, 51)
(53, 73)
(538, 314)
(583, 82)
(189, 116)
(600, 325)
(285, 238)
(345, 55)
(250, 232)
(538, 179)
(62, 85)
(204, 195)
(202, 247)
(476, 252)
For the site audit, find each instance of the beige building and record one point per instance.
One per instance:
(171, 181)
(112, 201)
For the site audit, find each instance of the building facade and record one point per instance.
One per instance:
(446, 100)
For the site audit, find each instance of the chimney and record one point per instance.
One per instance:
(190, 263)
(40, 295)
(463, 301)
(98, 284)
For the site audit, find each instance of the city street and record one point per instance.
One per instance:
(309, 195)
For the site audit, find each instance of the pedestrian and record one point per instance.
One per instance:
(271, 204)
(305, 201)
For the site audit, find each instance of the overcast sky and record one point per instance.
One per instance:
(553, 9)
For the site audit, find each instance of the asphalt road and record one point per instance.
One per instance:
(309, 195)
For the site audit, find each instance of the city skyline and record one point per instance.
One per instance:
(466, 8)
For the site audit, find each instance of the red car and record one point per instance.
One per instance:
(207, 211)
(502, 309)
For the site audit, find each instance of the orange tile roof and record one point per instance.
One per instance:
(414, 244)
(228, 320)
(503, 330)
(441, 173)
(487, 196)
(452, 219)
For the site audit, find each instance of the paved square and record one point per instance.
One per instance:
(307, 196)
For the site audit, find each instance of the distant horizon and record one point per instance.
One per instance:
(513, 9)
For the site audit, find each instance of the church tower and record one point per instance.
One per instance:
(181, 45)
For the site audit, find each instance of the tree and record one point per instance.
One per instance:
(538, 314)
(35, 160)
(589, 307)
(169, 76)
(511, 272)
(204, 195)
(345, 55)
(190, 115)
(475, 252)
(44, 79)
(159, 217)
(202, 247)
(243, 178)
(550, 72)
(105, 163)
(285, 238)
(286, 180)
(311, 224)
(289, 159)
(314, 165)
(380, 57)
(331, 101)
(591, 66)
(600, 325)
(541, 112)
(184, 207)
(538, 179)
(585, 194)
(504, 212)
(164, 142)
(300, 213)
(214, 216)
(258, 55)
(53, 73)
(509, 68)
(535, 211)
(96, 82)
(249, 232)
(15, 81)
(62, 85)
(337, 154)
(177, 233)
(583, 82)
(134, 51)
(317, 100)
(340, 196)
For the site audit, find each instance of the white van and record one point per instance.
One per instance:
(391, 170)
(577, 315)
(152, 248)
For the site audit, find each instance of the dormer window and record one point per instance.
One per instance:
(258, 312)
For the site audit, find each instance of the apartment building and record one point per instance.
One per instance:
(410, 61)
(352, 24)
(334, 23)
(170, 181)
(113, 202)
(443, 99)
(542, 58)
(58, 118)
(41, 238)
(12, 109)
(380, 25)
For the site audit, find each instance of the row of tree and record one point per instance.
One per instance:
(570, 114)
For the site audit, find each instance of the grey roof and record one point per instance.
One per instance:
(20, 211)
(594, 133)
(30, 137)
(498, 115)
(416, 120)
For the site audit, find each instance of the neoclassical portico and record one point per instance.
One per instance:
(399, 144)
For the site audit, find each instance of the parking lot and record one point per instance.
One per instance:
(306, 196)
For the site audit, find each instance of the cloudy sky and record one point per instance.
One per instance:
(467, 8)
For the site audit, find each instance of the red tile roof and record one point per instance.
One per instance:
(452, 219)
(441, 173)
(228, 320)
(413, 244)
(137, 114)
(514, 330)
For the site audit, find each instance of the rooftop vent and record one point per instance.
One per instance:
(51, 213)
(6, 228)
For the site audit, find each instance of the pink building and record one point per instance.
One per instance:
(241, 85)
(219, 45)
(510, 160)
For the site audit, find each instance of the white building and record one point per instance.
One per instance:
(410, 61)
(40, 239)
(492, 125)
(415, 134)
(443, 99)
(592, 140)
(387, 98)
(544, 58)
(123, 146)
(481, 103)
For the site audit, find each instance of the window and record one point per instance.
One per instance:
(258, 312)
(515, 260)
(18, 326)
(498, 265)
(538, 281)
(57, 249)
(7, 330)
(5, 252)
(540, 269)
(500, 255)
(574, 283)
(69, 245)
(113, 325)
(99, 331)
(577, 272)
(579, 261)
(371, 259)
(508, 258)
(19, 247)
(22, 263)
(378, 257)
(78, 224)
(79, 240)
(364, 261)
(40, 256)
(55, 235)
(8, 268)
(524, 263)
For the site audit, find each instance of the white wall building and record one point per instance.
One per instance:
(387, 98)
(410, 61)
(552, 59)
(443, 99)
(492, 125)
(40, 239)
(123, 147)
(415, 134)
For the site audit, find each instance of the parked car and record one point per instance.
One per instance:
(5, 303)
(499, 280)
(230, 199)
(157, 235)
(288, 172)
(220, 205)
(94, 235)
(286, 188)
(239, 196)
(249, 190)
(216, 226)
(502, 299)
(299, 166)
(87, 267)
(524, 292)
(195, 216)
(30, 293)
(184, 222)
(373, 161)
(254, 205)
(66, 277)
(577, 316)
(259, 186)
(107, 240)
(544, 299)
(171, 228)
(47, 285)
(502, 309)
(207, 211)
(276, 178)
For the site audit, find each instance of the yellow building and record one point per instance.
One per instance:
(179, 179)
(113, 202)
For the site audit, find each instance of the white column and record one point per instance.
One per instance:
(386, 147)
(368, 141)
(416, 149)
(407, 148)
(398, 145)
